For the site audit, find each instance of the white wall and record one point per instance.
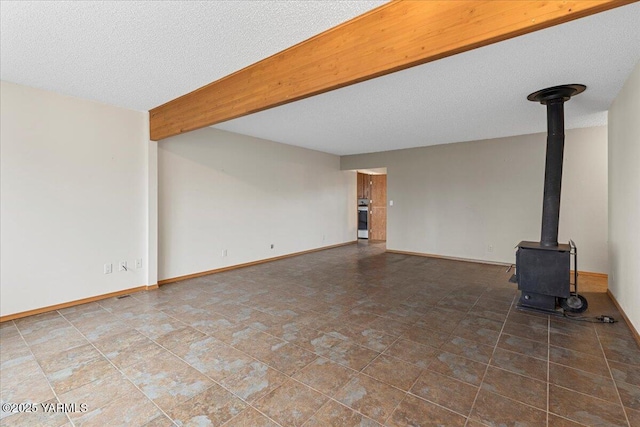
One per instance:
(624, 197)
(458, 199)
(220, 190)
(73, 197)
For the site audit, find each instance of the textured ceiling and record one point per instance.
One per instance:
(140, 54)
(479, 94)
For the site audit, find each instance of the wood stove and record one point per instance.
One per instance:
(542, 268)
(543, 274)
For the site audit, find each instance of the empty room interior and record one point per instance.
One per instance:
(320, 213)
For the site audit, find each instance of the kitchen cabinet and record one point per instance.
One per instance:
(378, 221)
(364, 186)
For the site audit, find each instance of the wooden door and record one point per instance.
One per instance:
(378, 208)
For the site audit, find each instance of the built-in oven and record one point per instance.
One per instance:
(363, 222)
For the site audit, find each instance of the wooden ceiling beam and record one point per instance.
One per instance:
(392, 37)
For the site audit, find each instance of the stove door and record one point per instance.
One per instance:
(363, 223)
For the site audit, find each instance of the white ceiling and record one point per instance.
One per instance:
(479, 94)
(141, 54)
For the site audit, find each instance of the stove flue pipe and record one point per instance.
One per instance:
(554, 98)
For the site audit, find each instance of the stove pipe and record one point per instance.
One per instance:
(554, 98)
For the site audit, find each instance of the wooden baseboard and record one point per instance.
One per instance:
(591, 274)
(476, 261)
(249, 264)
(480, 261)
(624, 316)
(33, 312)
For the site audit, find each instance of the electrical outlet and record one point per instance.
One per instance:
(108, 268)
(122, 266)
(490, 248)
(224, 252)
(139, 263)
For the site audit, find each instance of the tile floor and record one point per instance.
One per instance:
(351, 336)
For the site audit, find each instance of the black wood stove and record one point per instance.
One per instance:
(542, 268)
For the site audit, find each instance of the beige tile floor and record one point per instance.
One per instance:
(351, 336)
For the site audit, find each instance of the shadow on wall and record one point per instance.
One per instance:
(252, 162)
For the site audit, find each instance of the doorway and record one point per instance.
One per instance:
(372, 200)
